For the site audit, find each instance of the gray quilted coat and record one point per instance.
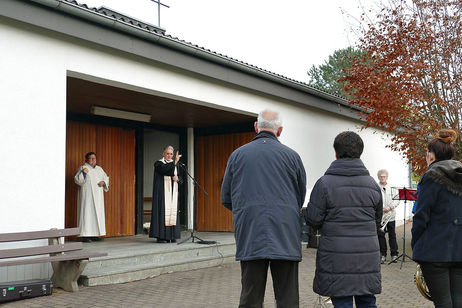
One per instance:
(346, 204)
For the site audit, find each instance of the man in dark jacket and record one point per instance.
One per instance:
(346, 204)
(265, 187)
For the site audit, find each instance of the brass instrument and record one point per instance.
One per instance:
(385, 219)
(420, 283)
(322, 302)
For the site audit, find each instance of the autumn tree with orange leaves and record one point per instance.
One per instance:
(408, 80)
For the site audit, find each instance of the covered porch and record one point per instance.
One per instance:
(204, 134)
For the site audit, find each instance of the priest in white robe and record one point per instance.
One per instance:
(93, 182)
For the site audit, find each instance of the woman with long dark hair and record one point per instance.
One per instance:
(437, 224)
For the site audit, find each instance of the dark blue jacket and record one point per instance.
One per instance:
(437, 223)
(346, 204)
(265, 186)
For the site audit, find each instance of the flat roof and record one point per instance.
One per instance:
(167, 49)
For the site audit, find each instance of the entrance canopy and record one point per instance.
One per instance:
(83, 94)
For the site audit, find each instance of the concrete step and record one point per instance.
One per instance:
(140, 262)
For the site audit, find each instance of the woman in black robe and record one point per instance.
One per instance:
(164, 167)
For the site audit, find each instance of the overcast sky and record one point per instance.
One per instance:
(285, 37)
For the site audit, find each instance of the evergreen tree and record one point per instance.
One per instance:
(326, 76)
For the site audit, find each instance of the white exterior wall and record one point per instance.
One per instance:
(312, 134)
(33, 131)
(34, 66)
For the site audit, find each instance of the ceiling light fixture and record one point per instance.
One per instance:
(120, 114)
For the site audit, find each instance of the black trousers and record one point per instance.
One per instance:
(444, 281)
(391, 240)
(285, 283)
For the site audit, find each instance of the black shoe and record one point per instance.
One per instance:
(173, 241)
(161, 241)
(86, 239)
(97, 239)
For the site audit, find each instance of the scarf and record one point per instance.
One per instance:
(171, 197)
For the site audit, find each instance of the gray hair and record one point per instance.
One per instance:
(269, 119)
(382, 171)
(168, 147)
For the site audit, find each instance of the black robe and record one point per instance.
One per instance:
(158, 228)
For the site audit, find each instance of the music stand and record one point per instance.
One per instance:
(403, 194)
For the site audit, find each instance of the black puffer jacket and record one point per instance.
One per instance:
(346, 204)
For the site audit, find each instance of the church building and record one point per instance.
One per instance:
(76, 79)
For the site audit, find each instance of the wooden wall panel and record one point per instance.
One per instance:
(80, 139)
(115, 149)
(212, 154)
(200, 177)
(127, 217)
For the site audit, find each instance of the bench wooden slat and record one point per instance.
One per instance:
(35, 235)
(65, 257)
(39, 250)
(67, 267)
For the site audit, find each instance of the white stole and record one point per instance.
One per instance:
(171, 198)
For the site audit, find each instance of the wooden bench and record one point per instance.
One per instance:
(67, 267)
(147, 212)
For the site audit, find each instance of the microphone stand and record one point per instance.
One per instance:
(183, 166)
(193, 236)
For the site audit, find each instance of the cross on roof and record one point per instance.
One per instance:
(159, 4)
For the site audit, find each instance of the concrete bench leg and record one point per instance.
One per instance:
(66, 273)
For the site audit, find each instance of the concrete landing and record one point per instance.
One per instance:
(139, 257)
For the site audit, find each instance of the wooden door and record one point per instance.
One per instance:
(212, 153)
(115, 150)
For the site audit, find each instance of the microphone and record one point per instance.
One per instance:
(181, 164)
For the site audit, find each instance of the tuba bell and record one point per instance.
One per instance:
(420, 283)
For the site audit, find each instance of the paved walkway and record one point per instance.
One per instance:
(220, 287)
